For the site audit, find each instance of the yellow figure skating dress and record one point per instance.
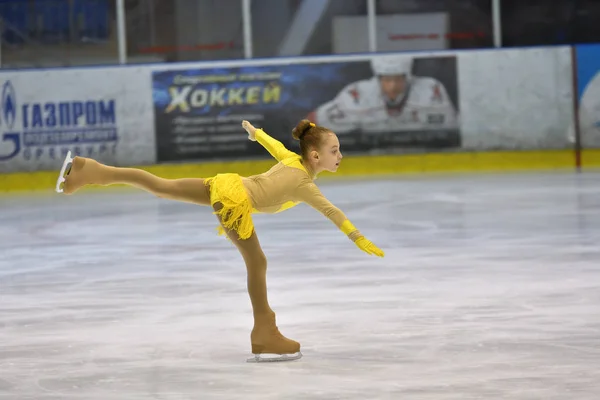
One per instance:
(283, 186)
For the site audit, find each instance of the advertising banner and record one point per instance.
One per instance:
(588, 94)
(96, 113)
(389, 102)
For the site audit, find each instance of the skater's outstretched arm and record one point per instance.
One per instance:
(273, 146)
(311, 195)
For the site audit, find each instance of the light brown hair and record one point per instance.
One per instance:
(311, 136)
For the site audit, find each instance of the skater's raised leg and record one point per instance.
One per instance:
(86, 171)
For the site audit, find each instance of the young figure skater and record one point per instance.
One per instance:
(234, 198)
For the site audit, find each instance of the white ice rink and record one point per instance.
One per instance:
(490, 289)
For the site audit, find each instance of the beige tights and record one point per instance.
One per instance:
(265, 336)
(85, 171)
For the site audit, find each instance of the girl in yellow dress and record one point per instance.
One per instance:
(234, 199)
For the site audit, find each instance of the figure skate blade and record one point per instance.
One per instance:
(260, 358)
(61, 177)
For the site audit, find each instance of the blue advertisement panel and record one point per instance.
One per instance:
(389, 102)
(588, 93)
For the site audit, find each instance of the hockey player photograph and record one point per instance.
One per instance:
(382, 103)
(417, 97)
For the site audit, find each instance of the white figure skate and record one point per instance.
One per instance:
(61, 178)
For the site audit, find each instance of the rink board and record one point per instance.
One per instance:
(513, 122)
(191, 112)
(357, 166)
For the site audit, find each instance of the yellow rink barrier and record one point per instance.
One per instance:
(352, 166)
(590, 158)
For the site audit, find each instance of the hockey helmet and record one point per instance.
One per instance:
(392, 65)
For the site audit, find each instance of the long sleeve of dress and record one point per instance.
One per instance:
(310, 194)
(273, 146)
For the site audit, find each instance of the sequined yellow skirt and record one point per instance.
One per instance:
(236, 214)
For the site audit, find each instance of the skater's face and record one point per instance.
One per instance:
(392, 86)
(329, 154)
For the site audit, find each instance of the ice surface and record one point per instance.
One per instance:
(490, 289)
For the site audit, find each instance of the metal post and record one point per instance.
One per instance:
(247, 18)
(371, 18)
(497, 23)
(151, 16)
(1, 30)
(122, 38)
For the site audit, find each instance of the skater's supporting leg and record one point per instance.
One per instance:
(265, 336)
(256, 266)
(88, 171)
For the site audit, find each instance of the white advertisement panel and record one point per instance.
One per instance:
(104, 113)
(516, 98)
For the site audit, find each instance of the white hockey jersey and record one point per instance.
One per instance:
(361, 106)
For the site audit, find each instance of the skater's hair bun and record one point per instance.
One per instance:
(310, 136)
(302, 129)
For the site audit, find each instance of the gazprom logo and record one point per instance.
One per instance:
(42, 125)
(9, 105)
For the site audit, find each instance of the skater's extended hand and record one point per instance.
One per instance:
(250, 129)
(368, 247)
